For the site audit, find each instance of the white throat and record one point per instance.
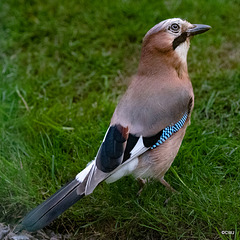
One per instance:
(182, 51)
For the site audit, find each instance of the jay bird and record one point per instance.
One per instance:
(147, 126)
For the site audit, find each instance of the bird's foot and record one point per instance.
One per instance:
(168, 186)
(142, 182)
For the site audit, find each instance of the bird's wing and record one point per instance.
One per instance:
(120, 147)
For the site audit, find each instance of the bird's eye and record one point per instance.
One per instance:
(174, 27)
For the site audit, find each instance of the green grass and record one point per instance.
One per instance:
(63, 67)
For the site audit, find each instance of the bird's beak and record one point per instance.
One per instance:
(197, 29)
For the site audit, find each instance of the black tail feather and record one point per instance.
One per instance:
(49, 210)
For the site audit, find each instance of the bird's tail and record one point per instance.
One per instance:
(49, 210)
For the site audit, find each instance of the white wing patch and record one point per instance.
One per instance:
(81, 176)
(138, 149)
(130, 165)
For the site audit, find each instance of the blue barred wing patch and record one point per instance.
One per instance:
(168, 131)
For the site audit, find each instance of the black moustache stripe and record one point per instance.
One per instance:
(177, 41)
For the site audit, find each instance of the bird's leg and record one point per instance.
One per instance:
(141, 183)
(167, 185)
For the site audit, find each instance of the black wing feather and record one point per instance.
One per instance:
(111, 152)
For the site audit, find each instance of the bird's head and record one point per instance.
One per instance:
(171, 38)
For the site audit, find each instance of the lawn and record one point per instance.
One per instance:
(63, 67)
